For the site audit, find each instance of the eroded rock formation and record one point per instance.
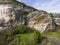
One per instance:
(14, 13)
(41, 20)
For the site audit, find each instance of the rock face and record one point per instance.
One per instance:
(39, 20)
(57, 18)
(11, 9)
(6, 11)
(12, 12)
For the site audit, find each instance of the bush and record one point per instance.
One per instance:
(35, 38)
(22, 29)
(6, 37)
(18, 30)
(21, 35)
(27, 39)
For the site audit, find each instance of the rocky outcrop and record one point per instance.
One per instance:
(12, 12)
(41, 21)
(57, 18)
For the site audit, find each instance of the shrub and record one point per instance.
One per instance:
(21, 30)
(21, 35)
(4, 35)
(35, 38)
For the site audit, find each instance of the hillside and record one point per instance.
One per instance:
(24, 25)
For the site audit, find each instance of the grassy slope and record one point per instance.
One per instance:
(20, 36)
(24, 37)
(55, 35)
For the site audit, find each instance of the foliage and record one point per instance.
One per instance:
(21, 35)
(35, 38)
(55, 35)
(24, 35)
(22, 29)
(6, 37)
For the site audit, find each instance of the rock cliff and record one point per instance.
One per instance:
(41, 21)
(14, 13)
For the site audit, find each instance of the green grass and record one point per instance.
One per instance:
(23, 36)
(52, 34)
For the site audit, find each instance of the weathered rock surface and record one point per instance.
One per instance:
(39, 20)
(42, 21)
(13, 13)
(50, 41)
(57, 18)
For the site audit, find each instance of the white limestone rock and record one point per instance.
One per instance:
(39, 20)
